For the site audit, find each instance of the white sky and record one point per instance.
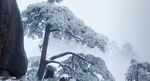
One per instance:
(121, 20)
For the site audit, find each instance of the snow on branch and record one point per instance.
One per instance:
(76, 38)
(68, 53)
(37, 16)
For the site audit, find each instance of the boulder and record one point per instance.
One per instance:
(50, 70)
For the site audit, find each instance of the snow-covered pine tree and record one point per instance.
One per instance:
(138, 71)
(61, 23)
(53, 1)
(78, 67)
(93, 69)
(66, 26)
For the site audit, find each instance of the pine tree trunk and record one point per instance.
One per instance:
(137, 79)
(44, 53)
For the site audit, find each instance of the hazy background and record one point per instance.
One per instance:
(121, 20)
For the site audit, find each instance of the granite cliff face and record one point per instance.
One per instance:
(12, 55)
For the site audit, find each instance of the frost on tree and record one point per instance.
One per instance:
(66, 26)
(138, 71)
(78, 67)
(91, 69)
(60, 23)
(53, 1)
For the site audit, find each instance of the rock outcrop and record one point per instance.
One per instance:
(12, 55)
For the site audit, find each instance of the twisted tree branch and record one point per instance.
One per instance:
(69, 53)
(54, 30)
(76, 38)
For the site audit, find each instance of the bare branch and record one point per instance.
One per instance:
(76, 38)
(54, 30)
(61, 55)
(63, 66)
